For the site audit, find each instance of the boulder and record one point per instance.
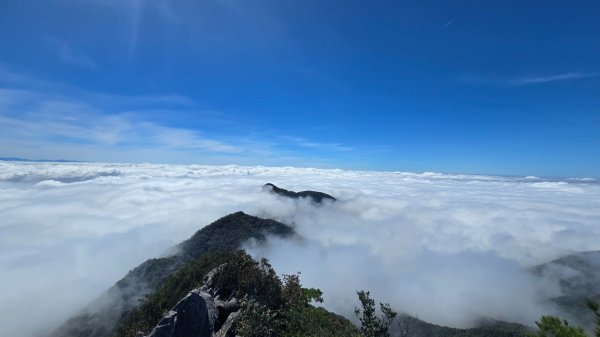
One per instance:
(225, 309)
(208, 281)
(228, 328)
(194, 316)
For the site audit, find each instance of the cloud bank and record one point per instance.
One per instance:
(447, 248)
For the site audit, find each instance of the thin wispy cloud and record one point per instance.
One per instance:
(302, 142)
(447, 24)
(570, 76)
(60, 120)
(52, 120)
(68, 54)
(527, 80)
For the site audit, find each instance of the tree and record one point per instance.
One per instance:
(370, 324)
(594, 307)
(550, 326)
(258, 320)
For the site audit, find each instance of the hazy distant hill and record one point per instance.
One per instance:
(408, 326)
(39, 160)
(578, 276)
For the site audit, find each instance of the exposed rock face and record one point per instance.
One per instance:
(317, 197)
(227, 330)
(225, 309)
(200, 314)
(208, 281)
(194, 316)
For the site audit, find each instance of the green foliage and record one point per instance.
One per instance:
(242, 276)
(258, 320)
(550, 326)
(370, 324)
(287, 311)
(593, 306)
(301, 319)
(310, 321)
(295, 296)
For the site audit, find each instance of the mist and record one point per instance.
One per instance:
(447, 248)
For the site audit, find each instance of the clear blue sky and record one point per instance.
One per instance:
(501, 87)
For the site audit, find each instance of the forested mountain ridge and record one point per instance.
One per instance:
(226, 234)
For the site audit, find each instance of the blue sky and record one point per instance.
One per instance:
(510, 87)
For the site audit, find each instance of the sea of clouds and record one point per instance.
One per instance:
(447, 248)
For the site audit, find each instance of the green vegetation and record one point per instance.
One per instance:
(281, 307)
(275, 308)
(593, 305)
(242, 276)
(269, 306)
(370, 324)
(229, 232)
(551, 326)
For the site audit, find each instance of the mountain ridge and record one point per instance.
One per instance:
(316, 196)
(224, 234)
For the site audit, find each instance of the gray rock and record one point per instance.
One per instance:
(227, 330)
(225, 309)
(194, 316)
(208, 281)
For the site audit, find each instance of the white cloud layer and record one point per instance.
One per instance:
(445, 247)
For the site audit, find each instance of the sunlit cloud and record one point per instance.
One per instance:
(528, 80)
(412, 239)
(551, 78)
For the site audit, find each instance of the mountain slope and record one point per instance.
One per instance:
(225, 234)
(230, 287)
(408, 326)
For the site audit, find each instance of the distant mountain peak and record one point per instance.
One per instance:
(230, 231)
(316, 196)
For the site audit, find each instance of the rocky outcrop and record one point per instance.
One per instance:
(200, 314)
(228, 327)
(317, 197)
(194, 316)
(225, 309)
